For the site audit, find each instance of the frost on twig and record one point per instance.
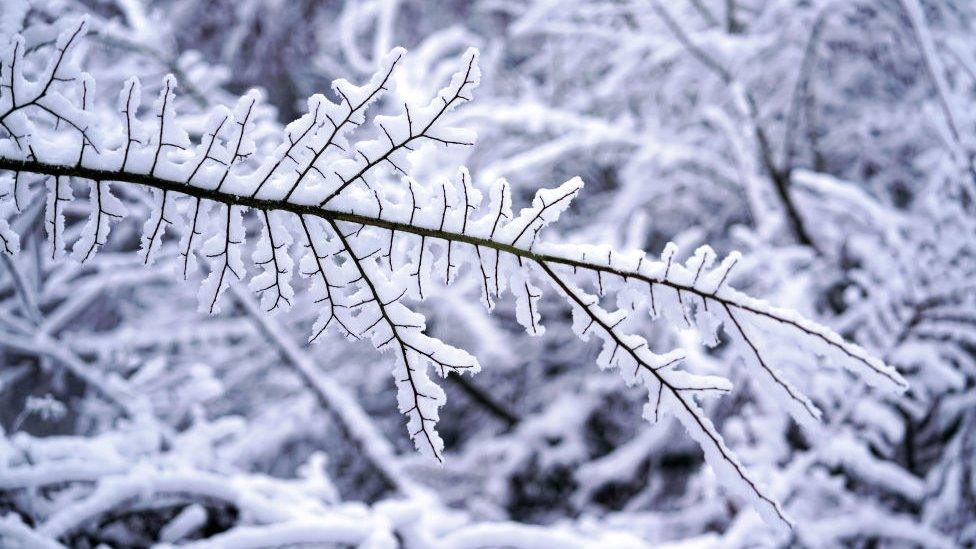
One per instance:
(373, 241)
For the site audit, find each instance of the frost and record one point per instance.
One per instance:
(58, 193)
(164, 208)
(223, 249)
(105, 209)
(9, 238)
(272, 255)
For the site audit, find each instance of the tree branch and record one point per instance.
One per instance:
(332, 216)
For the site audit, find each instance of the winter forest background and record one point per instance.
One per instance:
(832, 143)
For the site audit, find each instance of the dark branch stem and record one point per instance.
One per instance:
(332, 216)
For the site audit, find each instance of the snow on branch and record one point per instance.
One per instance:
(375, 241)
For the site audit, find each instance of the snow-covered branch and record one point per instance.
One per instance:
(376, 241)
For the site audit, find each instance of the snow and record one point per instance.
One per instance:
(272, 254)
(105, 209)
(224, 247)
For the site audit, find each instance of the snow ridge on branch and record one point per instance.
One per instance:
(374, 240)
